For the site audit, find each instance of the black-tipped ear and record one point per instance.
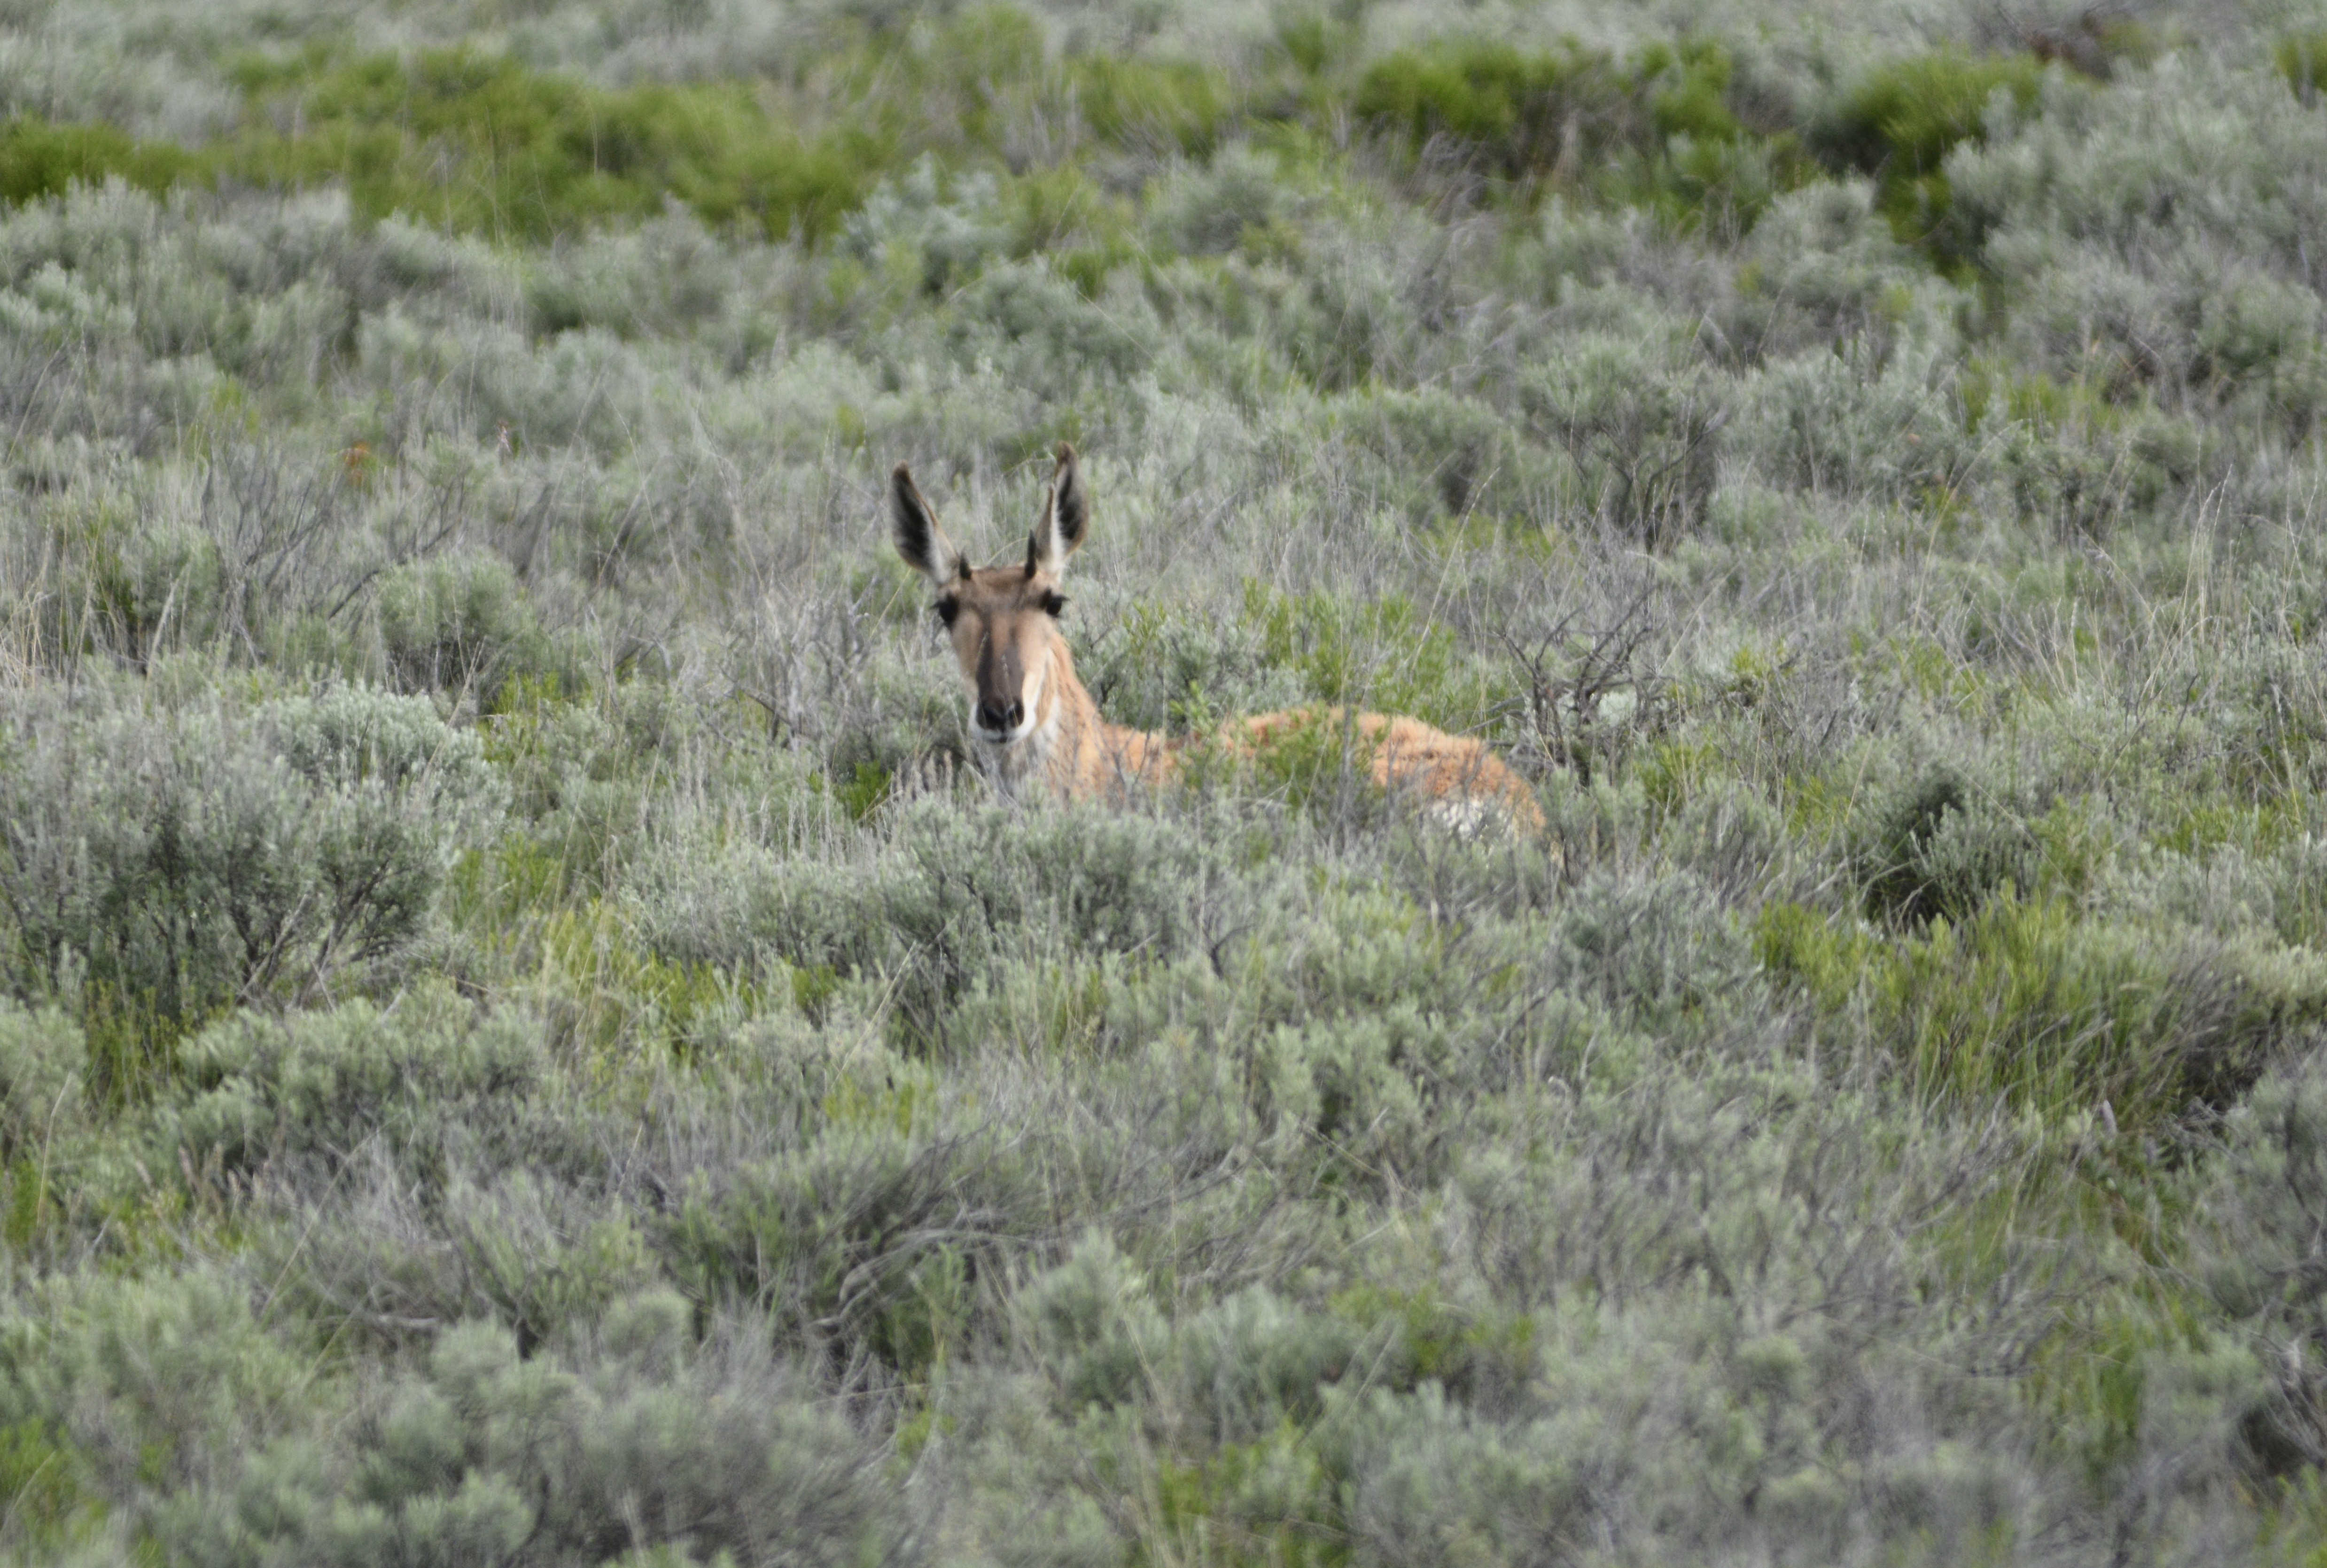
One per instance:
(1070, 510)
(920, 540)
(1066, 518)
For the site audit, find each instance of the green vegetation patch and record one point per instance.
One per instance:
(1384, 655)
(1657, 130)
(478, 142)
(39, 159)
(1525, 112)
(1902, 120)
(2302, 59)
(2027, 1000)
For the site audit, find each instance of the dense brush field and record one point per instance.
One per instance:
(522, 1041)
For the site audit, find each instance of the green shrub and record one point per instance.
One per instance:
(2302, 59)
(1824, 272)
(476, 143)
(1657, 131)
(1056, 344)
(39, 159)
(1454, 455)
(1941, 848)
(147, 1386)
(414, 1238)
(1900, 122)
(2156, 308)
(1527, 113)
(1152, 106)
(933, 238)
(1353, 321)
(1821, 423)
(1431, 1481)
(667, 278)
(2060, 1015)
(481, 143)
(954, 897)
(1099, 1337)
(1657, 950)
(870, 1237)
(1374, 656)
(641, 1446)
(1237, 201)
(1162, 669)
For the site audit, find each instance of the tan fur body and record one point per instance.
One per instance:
(1035, 731)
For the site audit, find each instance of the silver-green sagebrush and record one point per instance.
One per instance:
(526, 1039)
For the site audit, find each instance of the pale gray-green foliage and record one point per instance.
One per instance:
(2263, 1264)
(451, 623)
(639, 1437)
(1940, 847)
(194, 858)
(157, 1384)
(806, 1175)
(1643, 431)
(1173, 675)
(1822, 269)
(322, 1086)
(43, 1060)
(1211, 211)
(1443, 1423)
(925, 236)
(2113, 214)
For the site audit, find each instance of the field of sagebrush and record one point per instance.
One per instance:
(522, 1041)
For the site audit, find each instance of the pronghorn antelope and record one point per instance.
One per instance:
(1034, 730)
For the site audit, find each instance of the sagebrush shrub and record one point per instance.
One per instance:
(454, 624)
(163, 866)
(1157, 670)
(1823, 271)
(953, 895)
(930, 239)
(1901, 121)
(1053, 341)
(1644, 436)
(1793, 1157)
(429, 1076)
(1940, 847)
(2263, 1199)
(1235, 201)
(43, 1062)
(1522, 112)
(707, 1452)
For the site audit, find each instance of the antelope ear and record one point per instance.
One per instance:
(920, 540)
(1066, 518)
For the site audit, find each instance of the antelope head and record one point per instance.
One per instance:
(1004, 619)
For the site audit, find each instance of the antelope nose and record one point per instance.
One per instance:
(997, 718)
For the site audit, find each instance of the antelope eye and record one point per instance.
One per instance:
(947, 608)
(1054, 603)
